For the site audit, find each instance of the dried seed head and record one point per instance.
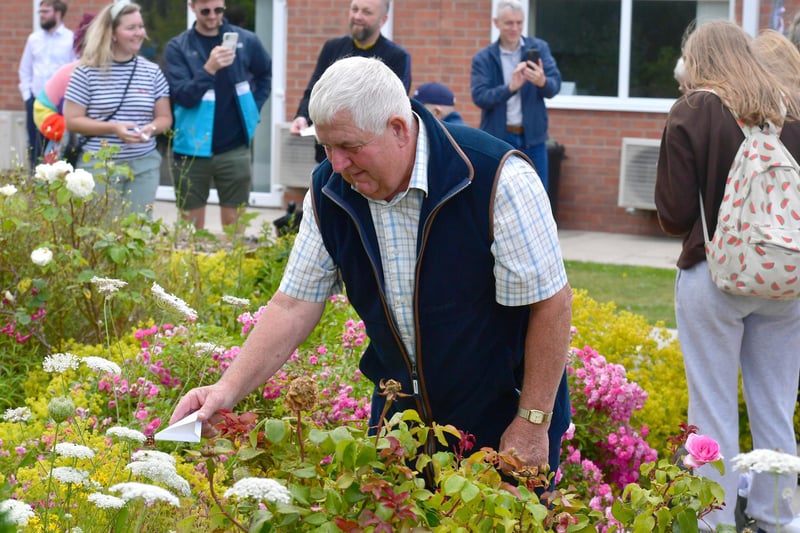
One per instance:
(302, 394)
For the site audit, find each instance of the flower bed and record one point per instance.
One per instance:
(98, 349)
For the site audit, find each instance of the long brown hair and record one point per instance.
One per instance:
(717, 56)
(779, 56)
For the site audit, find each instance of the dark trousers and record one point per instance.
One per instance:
(36, 140)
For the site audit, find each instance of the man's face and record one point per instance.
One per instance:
(509, 24)
(209, 15)
(373, 164)
(366, 19)
(48, 17)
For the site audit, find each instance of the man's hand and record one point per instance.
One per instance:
(517, 77)
(207, 401)
(530, 441)
(298, 124)
(534, 73)
(220, 57)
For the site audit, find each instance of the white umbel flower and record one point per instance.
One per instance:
(80, 183)
(236, 302)
(17, 512)
(102, 365)
(75, 451)
(19, 414)
(41, 256)
(60, 362)
(126, 434)
(167, 299)
(767, 461)
(161, 472)
(208, 348)
(153, 455)
(107, 286)
(149, 493)
(258, 488)
(70, 475)
(104, 501)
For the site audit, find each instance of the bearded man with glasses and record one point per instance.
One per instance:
(217, 93)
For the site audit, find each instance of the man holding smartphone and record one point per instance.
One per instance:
(509, 81)
(220, 76)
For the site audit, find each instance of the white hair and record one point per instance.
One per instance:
(513, 5)
(364, 87)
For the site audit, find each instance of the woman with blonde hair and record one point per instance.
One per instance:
(719, 332)
(117, 98)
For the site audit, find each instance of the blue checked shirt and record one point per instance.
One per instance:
(528, 265)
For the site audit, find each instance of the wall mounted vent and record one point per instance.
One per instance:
(293, 158)
(637, 173)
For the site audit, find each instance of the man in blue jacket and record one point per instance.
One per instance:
(402, 202)
(217, 92)
(510, 90)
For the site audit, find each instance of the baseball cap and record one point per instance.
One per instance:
(434, 93)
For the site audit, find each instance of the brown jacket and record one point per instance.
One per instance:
(698, 145)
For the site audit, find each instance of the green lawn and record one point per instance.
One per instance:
(645, 291)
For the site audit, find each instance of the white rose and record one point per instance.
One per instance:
(46, 173)
(41, 256)
(61, 168)
(80, 183)
(8, 190)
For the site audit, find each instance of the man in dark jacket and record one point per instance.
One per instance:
(366, 19)
(511, 90)
(217, 91)
(400, 204)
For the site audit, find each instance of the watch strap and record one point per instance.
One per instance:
(534, 416)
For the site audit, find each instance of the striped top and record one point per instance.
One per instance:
(100, 92)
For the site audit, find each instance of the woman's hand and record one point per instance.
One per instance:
(131, 133)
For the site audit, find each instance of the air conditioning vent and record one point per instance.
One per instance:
(637, 173)
(294, 158)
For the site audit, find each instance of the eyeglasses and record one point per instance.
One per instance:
(206, 11)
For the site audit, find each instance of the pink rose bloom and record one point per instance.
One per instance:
(702, 449)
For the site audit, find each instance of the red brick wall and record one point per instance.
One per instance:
(16, 25)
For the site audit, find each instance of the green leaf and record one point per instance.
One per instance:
(51, 213)
(308, 472)
(246, 454)
(469, 492)
(687, 521)
(275, 430)
(621, 512)
(118, 254)
(454, 484)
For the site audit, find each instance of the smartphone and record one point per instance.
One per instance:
(230, 39)
(532, 55)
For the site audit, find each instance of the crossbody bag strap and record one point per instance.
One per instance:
(84, 140)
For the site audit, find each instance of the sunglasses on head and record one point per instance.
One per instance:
(206, 11)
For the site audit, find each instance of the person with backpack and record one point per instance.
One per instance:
(720, 330)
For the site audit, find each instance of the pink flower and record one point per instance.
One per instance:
(702, 449)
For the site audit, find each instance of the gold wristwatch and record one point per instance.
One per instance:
(534, 416)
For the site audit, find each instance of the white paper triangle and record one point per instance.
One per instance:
(184, 430)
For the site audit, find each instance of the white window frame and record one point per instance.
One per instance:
(624, 102)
